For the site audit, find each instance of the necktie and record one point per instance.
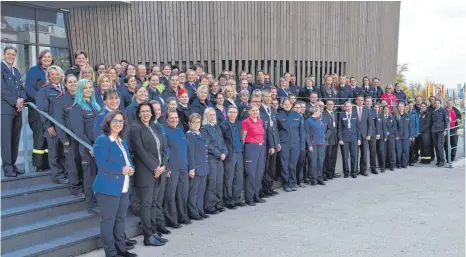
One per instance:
(359, 113)
(349, 119)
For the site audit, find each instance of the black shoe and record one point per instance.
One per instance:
(251, 203)
(382, 170)
(175, 226)
(329, 176)
(241, 204)
(260, 200)
(164, 231)
(94, 210)
(231, 206)
(324, 178)
(287, 189)
(11, 174)
(130, 241)
(320, 182)
(126, 254)
(186, 222)
(354, 176)
(205, 216)
(313, 183)
(346, 176)
(263, 195)
(274, 192)
(363, 173)
(129, 247)
(196, 218)
(404, 167)
(392, 169)
(410, 164)
(212, 212)
(374, 172)
(441, 164)
(398, 167)
(162, 240)
(152, 241)
(336, 175)
(294, 188)
(40, 170)
(221, 209)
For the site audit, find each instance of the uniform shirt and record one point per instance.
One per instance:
(178, 149)
(315, 131)
(236, 138)
(255, 130)
(128, 163)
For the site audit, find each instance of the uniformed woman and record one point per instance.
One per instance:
(292, 138)
(229, 93)
(129, 70)
(231, 131)
(87, 73)
(112, 103)
(253, 136)
(61, 112)
(316, 129)
(103, 83)
(392, 133)
(183, 108)
(140, 96)
(127, 92)
(176, 192)
(151, 160)
(217, 151)
(439, 126)
(100, 69)
(35, 79)
(380, 135)
(83, 115)
(198, 168)
(413, 156)
(45, 100)
(200, 102)
(425, 123)
(13, 97)
(404, 135)
(220, 109)
(153, 89)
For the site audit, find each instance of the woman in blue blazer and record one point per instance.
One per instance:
(112, 183)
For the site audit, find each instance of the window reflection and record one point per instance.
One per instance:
(18, 24)
(51, 28)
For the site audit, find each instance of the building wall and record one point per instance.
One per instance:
(352, 38)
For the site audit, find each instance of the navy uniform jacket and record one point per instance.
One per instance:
(381, 126)
(375, 92)
(126, 97)
(191, 87)
(305, 92)
(177, 148)
(99, 97)
(405, 128)
(365, 125)
(12, 89)
(291, 129)
(61, 112)
(332, 126)
(334, 95)
(439, 120)
(183, 115)
(164, 80)
(130, 113)
(352, 133)
(401, 96)
(45, 99)
(215, 144)
(228, 137)
(75, 70)
(316, 130)
(169, 92)
(35, 79)
(220, 115)
(139, 81)
(425, 122)
(154, 94)
(392, 128)
(197, 153)
(198, 107)
(294, 89)
(272, 137)
(82, 123)
(283, 92)
(261, 86)
(373, 121)
(349, 93)
(110, 162)
(98, 123)
(145, 151)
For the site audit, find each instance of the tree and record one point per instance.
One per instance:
(400, 73)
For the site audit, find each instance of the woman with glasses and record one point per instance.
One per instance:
(83, 115)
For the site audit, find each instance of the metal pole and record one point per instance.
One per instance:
(27, 163)
(448, 145)
(464, 137)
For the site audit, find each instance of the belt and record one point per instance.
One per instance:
(247, 143)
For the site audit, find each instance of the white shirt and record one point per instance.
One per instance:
(128, 163)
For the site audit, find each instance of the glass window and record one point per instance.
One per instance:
(18, 24)
(51, 28)
(25, 57)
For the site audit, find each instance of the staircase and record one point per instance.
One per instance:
(40, 218)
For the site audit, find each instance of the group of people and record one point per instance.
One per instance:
(193, 144)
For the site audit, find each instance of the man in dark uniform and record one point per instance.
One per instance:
(365, 127)
(80, 60)
(13, 97)
(268, 115)
(425, 137)
(350, 138)
(372, 133)
(332, 141)
(260, 83)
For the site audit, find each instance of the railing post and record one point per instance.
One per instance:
(27, 162)
(464, 137)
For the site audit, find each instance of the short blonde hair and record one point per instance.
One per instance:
(57, 68)
(205, 117)
(233, 89)
(90, 69)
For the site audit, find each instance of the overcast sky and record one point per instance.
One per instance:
(433, 40)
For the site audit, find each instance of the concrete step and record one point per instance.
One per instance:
(31, 213)
(26, 180)
(32, 194)
(73, 243)
(43, 231)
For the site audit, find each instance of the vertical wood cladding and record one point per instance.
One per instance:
(353, 38)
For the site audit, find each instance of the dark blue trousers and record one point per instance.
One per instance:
(148, 208)
(160, 198)
(403, 151)
(438, 140)
(112, 222)
(390, 157)
(89, 174)
(350, 149)
(214, 188)
(57, 161)
(11, 133)
(72, 163)
(254, 165)
(233, 178)
(289, 156)
(197, 187)
(176, 198)
(300, 169)
(318, 157)
(381, 153)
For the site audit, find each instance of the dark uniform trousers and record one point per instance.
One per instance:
(453, 145)
(176, 198)
(40, 149)
(373, 152)
(426, 146)
(11, 133)
(330, 161)
(148, 208)
(270, 169)
(363, 151)
(233, 178)
(89, 174)
(289, 156)
(72, 163)
(438, 140)
(380, 144)
(403, 151)
(254, 167)
(301, 173)
(197, 186)
(318, 156)
(160, 201)
(57, 160)
(214, 189)
(113, 211)
(350, 149)
(390, 145)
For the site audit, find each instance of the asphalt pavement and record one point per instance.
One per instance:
(412, 212)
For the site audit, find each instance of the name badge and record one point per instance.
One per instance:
(334, 125)
(344, 118)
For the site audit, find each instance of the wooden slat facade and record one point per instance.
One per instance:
(352, 38)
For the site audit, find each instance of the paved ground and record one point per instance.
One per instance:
(413, 212)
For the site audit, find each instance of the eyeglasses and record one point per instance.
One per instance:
(117, 122)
